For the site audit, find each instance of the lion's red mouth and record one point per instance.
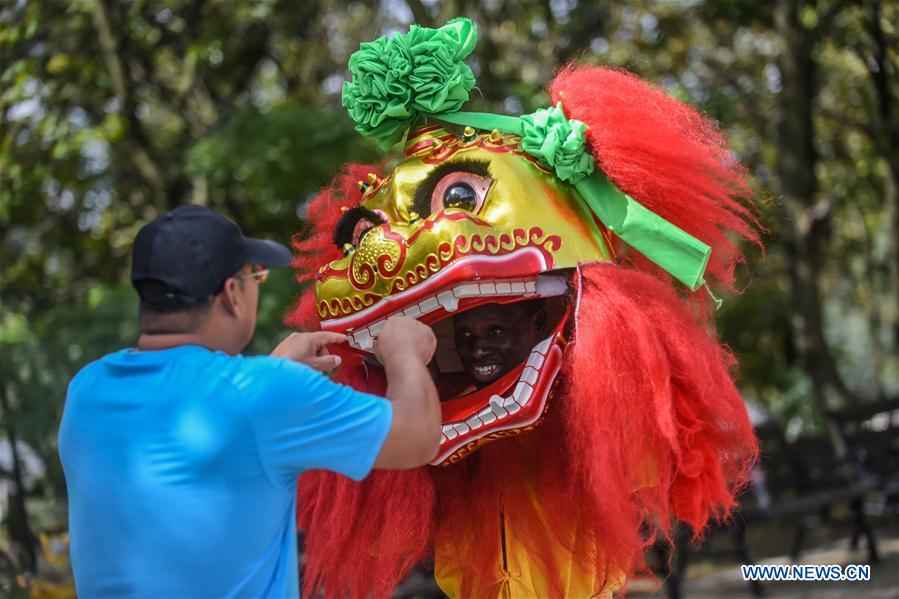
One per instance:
(469, 282)
(516, 401)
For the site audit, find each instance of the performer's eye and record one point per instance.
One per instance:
(495, 331)
(460, 190)
(353, 226)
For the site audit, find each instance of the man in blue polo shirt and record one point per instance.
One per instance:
(181, 455)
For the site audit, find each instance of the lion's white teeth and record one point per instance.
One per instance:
(448, 301)
(467, 290)
(510, 405)
(364, 339)
(496, 406)
(376, 328)
(429, 305)
(487, 416)
(529, 375)
(503, 288)
(474, 423)
(551, 285)
(543, 346)
(535, 361)
(523, 393)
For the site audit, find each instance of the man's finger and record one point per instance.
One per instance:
(324, 363)
(321, 338)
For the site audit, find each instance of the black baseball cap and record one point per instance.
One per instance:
(185, 255)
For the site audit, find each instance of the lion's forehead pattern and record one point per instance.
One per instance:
(521, 210)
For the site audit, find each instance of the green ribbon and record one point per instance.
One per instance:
(674, 250)
(422, 73)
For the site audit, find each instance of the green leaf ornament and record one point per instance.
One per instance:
(419, 72)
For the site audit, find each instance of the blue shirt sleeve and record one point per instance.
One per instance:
(303, 420)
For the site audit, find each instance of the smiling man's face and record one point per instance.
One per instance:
(495, 338)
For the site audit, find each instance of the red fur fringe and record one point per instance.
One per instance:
(656, 428)
(624, 455)
(666, 156)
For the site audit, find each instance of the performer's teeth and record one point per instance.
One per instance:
(518, 287)
(448, 301)
(449, 432)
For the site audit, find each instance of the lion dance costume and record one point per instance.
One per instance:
(617, 206)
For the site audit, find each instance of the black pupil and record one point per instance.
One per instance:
(460, 195)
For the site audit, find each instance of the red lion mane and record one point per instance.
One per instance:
(646, 427)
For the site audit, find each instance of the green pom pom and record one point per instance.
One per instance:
(420, 72)
(558, 143)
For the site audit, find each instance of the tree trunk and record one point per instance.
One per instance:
(803, 223)
(886, 138)
(17, 524)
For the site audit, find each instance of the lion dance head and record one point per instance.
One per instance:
(617, 416)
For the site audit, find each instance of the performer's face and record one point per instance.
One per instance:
(493, 339)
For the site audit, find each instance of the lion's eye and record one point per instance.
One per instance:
(460, 189)
(363, 226)
(460, 195)
(353, 226)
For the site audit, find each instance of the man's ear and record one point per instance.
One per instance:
(230, 297)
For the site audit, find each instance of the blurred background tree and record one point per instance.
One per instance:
(113, 112)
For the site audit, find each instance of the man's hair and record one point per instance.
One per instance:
(163, 311)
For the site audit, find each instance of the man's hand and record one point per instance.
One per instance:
(405, 347)
(311, 349)
(403, 339)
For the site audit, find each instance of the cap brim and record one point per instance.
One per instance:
(267, 253)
